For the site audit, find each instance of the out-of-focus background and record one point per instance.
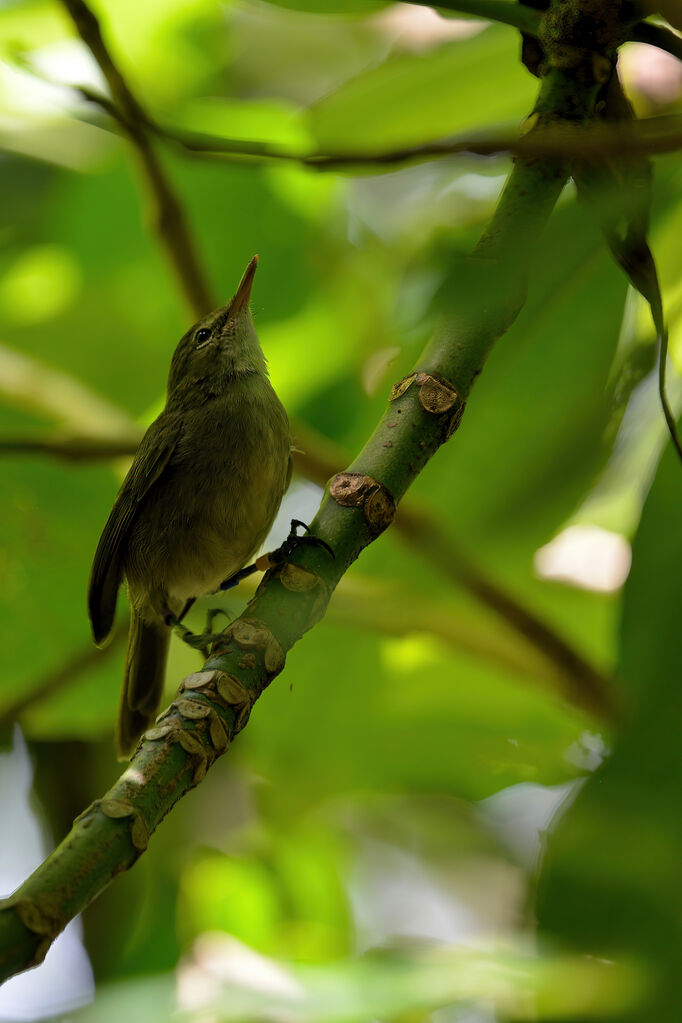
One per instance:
(370, 847)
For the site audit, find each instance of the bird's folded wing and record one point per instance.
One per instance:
(152, 458)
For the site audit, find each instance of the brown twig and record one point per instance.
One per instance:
(647, 137)
(653, 136)
(169, 218)
(71, 447)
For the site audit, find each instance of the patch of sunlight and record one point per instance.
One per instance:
(477, 186)
(652, 74)
(419, 29)
(276, 121)
(409, 653)
(587, 752)
(41, 283)
(300, 502)
(520, 817)
(303, 189)
(31, 25)
(305, 352)
(25, 95)
(68, 62)
(220, 959)
(585, 556)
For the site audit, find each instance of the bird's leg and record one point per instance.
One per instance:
(279, 556)
(186, 608)
(197, 640)
(234, 580)
(175, 621)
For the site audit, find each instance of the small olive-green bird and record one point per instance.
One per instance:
(199, 499)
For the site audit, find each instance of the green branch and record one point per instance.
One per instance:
(212, 706)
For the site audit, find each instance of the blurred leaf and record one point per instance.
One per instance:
(279, 123)
(221, 893)
(611, 879)
(233, 983)
(284, 898)
(163, 47)
(410, 99)
(31, 24)
(154, 997)
(291, 55)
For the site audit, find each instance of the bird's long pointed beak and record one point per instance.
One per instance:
(240, 302)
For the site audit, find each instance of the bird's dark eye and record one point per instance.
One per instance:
(202, 335)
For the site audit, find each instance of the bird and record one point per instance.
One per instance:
(198, 501)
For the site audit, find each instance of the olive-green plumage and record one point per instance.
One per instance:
(199, 499)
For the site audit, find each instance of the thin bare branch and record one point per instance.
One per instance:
(651, 136)
(70, 447)
(646, 137)
(169, 217)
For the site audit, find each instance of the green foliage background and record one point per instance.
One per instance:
(373, 746)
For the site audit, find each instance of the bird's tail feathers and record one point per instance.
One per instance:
(143, 678)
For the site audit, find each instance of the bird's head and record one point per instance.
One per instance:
(220, 347)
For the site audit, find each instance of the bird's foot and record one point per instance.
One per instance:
(279, 556)
(293, 541)
(201, 641)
